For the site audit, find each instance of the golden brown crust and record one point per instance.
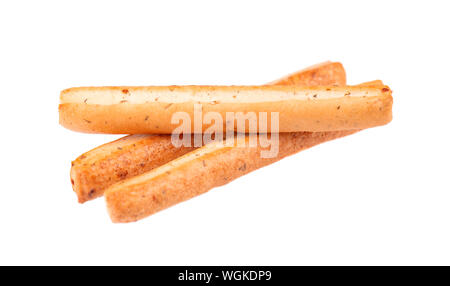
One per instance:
(95, 170)
(196, 173)
(320, 109)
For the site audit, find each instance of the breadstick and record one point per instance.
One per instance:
(197, 172)
(97, 169)
(137, 110)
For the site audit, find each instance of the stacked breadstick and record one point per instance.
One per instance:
(146, 172)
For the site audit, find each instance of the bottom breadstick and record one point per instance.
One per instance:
(198, 172)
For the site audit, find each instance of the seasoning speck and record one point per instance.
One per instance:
(122, 174)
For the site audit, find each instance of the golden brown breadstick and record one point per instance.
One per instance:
(95, 170)
(197, 172)
(201, 170)
(136, 110)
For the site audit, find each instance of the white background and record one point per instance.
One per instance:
(381, 196)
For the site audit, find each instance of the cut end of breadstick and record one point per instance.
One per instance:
(92, 172)
(197, 172)
(327, 73)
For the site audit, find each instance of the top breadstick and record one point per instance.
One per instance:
(151, 109)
